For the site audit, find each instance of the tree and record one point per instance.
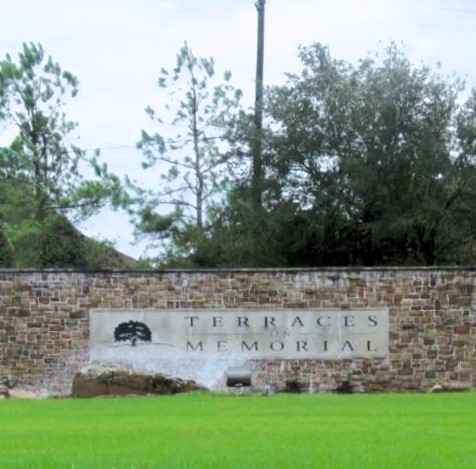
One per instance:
(371, 158)
(34, 91)
(41, 171)
(194, 157)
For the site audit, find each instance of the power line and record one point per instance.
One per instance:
(120, 147)
(180, 140)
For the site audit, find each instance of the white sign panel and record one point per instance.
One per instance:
(254, 334)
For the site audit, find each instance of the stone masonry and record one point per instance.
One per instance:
(44, 320)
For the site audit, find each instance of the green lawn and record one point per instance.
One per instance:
(222, 431)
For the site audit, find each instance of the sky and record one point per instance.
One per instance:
(116, 49)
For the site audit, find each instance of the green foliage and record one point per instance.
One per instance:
(23, 235)
(365, 165)
(34, 90)
(60, 245)
(371, 157)
(6, 251)
(192, 161)
(41, 172)
(52, 243)
(56, 243)
(239, 236)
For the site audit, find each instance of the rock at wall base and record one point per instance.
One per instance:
(116, 382)
(24, 394)
(449, 387)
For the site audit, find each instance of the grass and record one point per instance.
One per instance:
(225, 431)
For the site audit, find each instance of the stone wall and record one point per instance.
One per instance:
(44, 320)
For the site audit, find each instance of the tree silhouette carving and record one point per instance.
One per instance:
(132, 331)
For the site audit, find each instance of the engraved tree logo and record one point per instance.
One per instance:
(132, 331)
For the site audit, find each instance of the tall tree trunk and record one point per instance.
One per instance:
(198, 170)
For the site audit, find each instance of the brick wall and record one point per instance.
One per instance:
(44, 320)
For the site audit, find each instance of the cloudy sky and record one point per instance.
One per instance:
(116, 49)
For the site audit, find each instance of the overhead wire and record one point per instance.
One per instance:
(169, 141)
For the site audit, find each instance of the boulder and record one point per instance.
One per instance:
(119, 382)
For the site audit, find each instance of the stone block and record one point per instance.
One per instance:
(463, 329)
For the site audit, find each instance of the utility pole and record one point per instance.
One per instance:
(257, 177)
